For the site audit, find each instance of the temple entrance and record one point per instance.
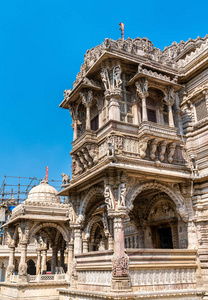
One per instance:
(31, 269)
(155, 221)
(165, 238)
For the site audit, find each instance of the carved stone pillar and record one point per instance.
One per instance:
(38, 264)
(144, 108)
(54, 259)
(142, 91)
(77, 239)
(22, 270)
(85, 245)
(170, 115)
(70, 258)
(87, 117)
(114, 109)
(44, 260)
(62, 258)
(135, 110)
(11, 267)
(120, 261)
(110, 242)
(174, 232)
(75, 130)
(87, 99)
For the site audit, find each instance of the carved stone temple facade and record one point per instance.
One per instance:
(135, 223)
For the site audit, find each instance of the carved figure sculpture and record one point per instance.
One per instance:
(122, 194)
(117, 77)
(105, 79)
(65, 179)
(111, 152)
(143, 146)
(109, 197)
(67, 93)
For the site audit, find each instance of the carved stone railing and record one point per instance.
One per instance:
(46, 277)
(156, 269)
(94, 269)
(150, 269)
(14, 278)
(158, 130)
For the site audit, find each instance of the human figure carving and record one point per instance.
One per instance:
(108, 197)
(105, 78)
(122, 195)
(117, 77)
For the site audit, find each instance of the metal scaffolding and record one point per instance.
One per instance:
(16, 188)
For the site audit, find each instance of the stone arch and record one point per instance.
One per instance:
(94, 220)
(177, 199)
(154, 201)
(39, 226)
(31, 268)
(93, 191)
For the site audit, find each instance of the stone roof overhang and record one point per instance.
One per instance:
(116, 54)
(154, 79)
(42, 218)
(96, 176)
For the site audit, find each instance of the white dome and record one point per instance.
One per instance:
(44, 193)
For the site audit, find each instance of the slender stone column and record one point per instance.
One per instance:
(170, 116)
(22, 270)
(70, 258)
(135, 110)
(88, 117)
(54, 259)
(62, 258)
(144, 108)
(11, 267)
(44, 260)
(77, 240)
(75, 130)
(142, 91)
(85, 245)
(38, 265)
(110, 242)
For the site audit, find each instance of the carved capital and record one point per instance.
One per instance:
(87, 98)
(142, 87)
(169, 95)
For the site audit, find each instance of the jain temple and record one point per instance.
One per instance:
(134, 224)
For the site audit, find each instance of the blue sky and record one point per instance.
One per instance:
(42, 45)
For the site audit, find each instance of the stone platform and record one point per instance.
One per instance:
(31, 291)
(69, 294)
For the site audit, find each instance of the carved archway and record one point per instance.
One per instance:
(95, 219)
(177, 198)
(92, 192)
(62, 229)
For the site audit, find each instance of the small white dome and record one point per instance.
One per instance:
(44, 193)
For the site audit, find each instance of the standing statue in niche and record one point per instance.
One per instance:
(109, 197)
(105, 79)
(122, 194)
(117, 77)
